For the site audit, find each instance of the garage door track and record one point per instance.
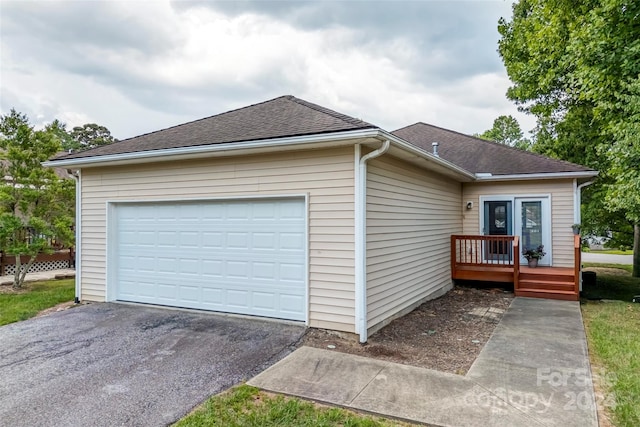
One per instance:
(113, 364)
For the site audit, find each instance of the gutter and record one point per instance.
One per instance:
(257, 146)
(420, 152)
(199, 150)
(360, 230)
(78, 282)
(528, 176)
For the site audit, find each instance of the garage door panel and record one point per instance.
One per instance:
(212, 240)
(291, 303)
(246, 257)
(264, 301)
(292, 242)
(291, 272)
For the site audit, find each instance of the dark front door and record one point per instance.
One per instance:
(498, 221)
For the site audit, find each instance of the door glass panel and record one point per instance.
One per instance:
(531, 224)
(497, 222)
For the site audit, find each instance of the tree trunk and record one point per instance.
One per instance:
(636, 250)
(17, 284)
(22, 270)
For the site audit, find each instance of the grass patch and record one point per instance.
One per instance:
(33, 299)
(612, 251)
(612, 331)
(246, 406)
(613, 281)
(625, 267)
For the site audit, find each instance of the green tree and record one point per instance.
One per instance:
(35, 205)
(506, 130)
(624, 156)
(59, 130)
(575, 65)
(88, 136)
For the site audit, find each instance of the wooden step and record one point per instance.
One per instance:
(547, 284)
(482, 273)
(551, 277)
(549, 294)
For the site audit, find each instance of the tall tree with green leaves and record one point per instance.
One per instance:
(506, 130)
(575, 65)
(59, 131)
(35, 204)
(88, 136)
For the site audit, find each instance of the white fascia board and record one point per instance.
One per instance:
(198, 151)
(404, 145)
(343, 138)
(537, 176)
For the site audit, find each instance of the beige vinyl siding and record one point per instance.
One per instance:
(561, 192)
(326, 175)
(411, 214)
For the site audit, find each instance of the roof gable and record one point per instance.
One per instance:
(481, 156)
(290, 117)
(285, 116)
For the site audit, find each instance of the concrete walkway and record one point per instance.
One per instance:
(534, 371)
(67, 273)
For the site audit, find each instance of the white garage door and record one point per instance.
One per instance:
(245, 257)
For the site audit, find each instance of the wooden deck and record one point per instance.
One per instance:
(541, 282)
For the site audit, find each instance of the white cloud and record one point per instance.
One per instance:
(140, 66)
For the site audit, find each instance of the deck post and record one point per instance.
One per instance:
(453, 255)
(577, 263)
(516, 263)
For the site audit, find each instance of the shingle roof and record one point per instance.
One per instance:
(288, 116)
(280, 117)
(478, 155)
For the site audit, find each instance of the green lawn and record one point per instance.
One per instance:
(246, 406)
(615, 282)
(38, 296)
(614, 343)
(613, 251)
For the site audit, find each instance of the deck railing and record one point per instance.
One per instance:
(484, 250)
(497, 256)
(497, 259)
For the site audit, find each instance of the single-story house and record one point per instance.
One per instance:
(290, 210)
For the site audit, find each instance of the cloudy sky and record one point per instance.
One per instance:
(139, 66)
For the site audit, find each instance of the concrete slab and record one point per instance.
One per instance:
(390, 389)
(438, 398)
(552, 396)
(533, 350)
(65, 273)
(313, 374)
(534, 371)
(543, 366)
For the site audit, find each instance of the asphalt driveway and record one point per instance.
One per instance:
(113, 364)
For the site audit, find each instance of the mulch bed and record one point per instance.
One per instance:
(445, 334)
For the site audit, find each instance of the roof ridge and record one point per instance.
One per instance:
(347, 119)
(190, 122)
(407, 126)
(498, 144)
(340, 116)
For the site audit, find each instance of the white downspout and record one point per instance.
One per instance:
(577, 199)
(360, 231)
(78, 177)
(577, 202)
